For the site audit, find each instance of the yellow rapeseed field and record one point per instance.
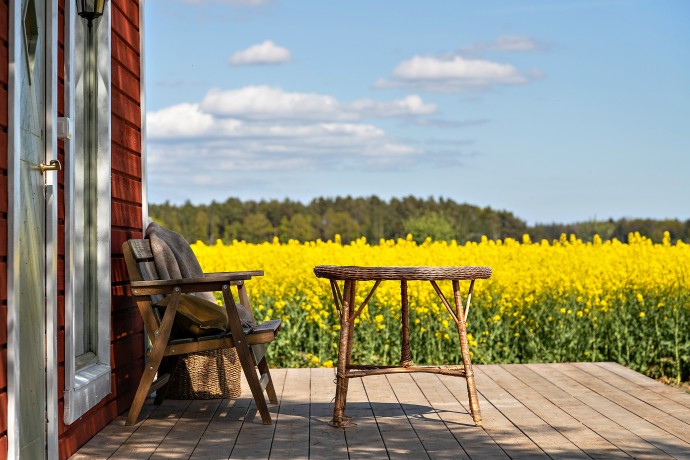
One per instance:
(547, 301)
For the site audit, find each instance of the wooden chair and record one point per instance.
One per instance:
(250, 342)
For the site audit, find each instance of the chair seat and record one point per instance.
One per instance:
(268, 328)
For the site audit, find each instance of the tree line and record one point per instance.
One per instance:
(376, 219)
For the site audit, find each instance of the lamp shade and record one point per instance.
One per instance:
(90, 9)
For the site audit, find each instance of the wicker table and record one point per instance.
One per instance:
(348, 312)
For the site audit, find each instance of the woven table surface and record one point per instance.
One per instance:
(337, 272)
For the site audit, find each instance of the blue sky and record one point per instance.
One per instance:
(559, 111)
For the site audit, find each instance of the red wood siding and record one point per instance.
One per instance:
(127, 330)
(4, 114)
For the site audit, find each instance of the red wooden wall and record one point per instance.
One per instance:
(127, 330)
(4, 126)
(126, 326)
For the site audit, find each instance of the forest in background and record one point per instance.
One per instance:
(441, 219)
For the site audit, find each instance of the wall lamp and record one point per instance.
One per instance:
(90, 9)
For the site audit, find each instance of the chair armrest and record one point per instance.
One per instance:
(209, 283)
(247, 275)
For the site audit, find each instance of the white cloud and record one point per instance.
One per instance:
(240, 3)
(451, 74)
(246, 2)
(270, 103)
(515, 43)
(181, 120)
(263, 53)
(267, 129)
(508, 43)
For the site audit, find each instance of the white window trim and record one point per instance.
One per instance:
(84, 388)
(144, 134)
(13, 264)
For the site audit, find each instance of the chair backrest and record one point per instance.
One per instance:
(139, 259)
(141, 267)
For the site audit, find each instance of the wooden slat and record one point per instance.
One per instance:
(291, 436)
(674, 436)
(585, 441)
(678, 397)
(659, 404)
(183, 438)
(496, 421)
(363, 441)
(655, 440)
(456, 417)
(324, 441)
(111, 438)
(427, 424)
(564, 410)
(622, 442)
(151, 432)
(396, 430)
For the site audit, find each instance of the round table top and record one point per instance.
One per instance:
(355, 273)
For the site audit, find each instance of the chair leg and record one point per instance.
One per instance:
(245, 355)
(143, 390)
(270, 389)
(155, 359)
(253, 380)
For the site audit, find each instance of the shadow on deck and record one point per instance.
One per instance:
(579, 410)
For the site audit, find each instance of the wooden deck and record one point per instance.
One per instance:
(569, 411)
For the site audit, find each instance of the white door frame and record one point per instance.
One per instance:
(13, 264)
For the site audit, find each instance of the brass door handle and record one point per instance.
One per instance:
(53, 165)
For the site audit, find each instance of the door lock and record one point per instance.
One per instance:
(53, 165)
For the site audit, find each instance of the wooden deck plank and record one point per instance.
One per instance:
(397, 433)
(588, 410)
(183, 438)
(680, 397)
(255, 439)
(504, 433)
(151, 432)
(588, 441)
(218, 441)
(677, 434)
(456, 416)
(112, 437)
(363, 440)
(628, 437)
(324, 441)
(653, 403)
(550, 440)
(663, 397)
(624, 443)
(437, 440)
(291, 436)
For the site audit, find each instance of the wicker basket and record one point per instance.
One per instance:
(211, 374)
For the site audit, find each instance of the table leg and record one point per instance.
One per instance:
(405, 354)
(344, 351)
(466, 360)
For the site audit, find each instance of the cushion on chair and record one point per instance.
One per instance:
(199, 313)
(196, 317)
(200, 317)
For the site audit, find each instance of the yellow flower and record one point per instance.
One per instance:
(565, 275)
